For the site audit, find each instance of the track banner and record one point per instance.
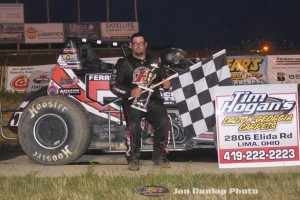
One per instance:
(257, 126)
(248, 70)
(284, 68)
(90, 30)
(27, 78)
(44, 33)
(11, 33)
(118, 31)
(11, 13)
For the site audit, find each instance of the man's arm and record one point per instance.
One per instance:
(166, 84)
(118, 83)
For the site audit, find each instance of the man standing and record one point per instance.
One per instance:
(131, 73)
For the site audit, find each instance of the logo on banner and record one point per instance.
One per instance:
(42, 79)
(31, 32)
(280, 76)
(256, 111)
(246, 70)
(20, 82)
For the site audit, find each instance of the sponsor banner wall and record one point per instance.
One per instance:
(44, 33)
(11, 13)
(257, 126)
(82, 30)
(17, 79)
(11, 33)
(248, 70)
(284, 68)
(118, 31)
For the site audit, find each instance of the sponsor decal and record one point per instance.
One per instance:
(168, 96)
(75, 91)
(52, 89)
(69, 50)
(69, 57)
(69, 61)
(98, 87)
(69, 81)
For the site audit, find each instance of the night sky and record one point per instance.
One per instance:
(187, 24)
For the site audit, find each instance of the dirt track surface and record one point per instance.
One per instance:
(13, 161)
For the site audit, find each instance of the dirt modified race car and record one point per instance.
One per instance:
(77, 111)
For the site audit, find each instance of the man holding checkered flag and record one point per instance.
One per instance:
(194, 89)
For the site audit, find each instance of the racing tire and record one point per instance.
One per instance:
(54, 130)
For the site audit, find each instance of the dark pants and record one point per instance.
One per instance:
(158, 117)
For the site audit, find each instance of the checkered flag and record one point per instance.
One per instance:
(194, 91)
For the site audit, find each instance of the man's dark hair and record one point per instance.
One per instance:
(138, 34)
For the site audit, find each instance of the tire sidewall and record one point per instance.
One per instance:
(76, 137)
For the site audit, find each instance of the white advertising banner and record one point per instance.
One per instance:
(257, 126)
(44, 33)
(18, 78)
(82, 30)
(11, 13)
(284, 68)
(11, 33)
(118, 31)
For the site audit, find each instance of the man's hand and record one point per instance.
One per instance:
(136, 92)
(166, 84)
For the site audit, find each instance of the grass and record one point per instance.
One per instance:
(12, 99)
(9, 101)
(91, 186)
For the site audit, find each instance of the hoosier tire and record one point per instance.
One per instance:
(54, 130)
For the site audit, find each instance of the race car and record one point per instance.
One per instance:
(57, 124)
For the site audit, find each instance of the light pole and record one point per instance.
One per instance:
(135, 10)
(78, 11)
(107, 10)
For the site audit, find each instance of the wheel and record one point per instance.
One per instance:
(54, 130)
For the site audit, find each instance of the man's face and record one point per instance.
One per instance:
(138, 46)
